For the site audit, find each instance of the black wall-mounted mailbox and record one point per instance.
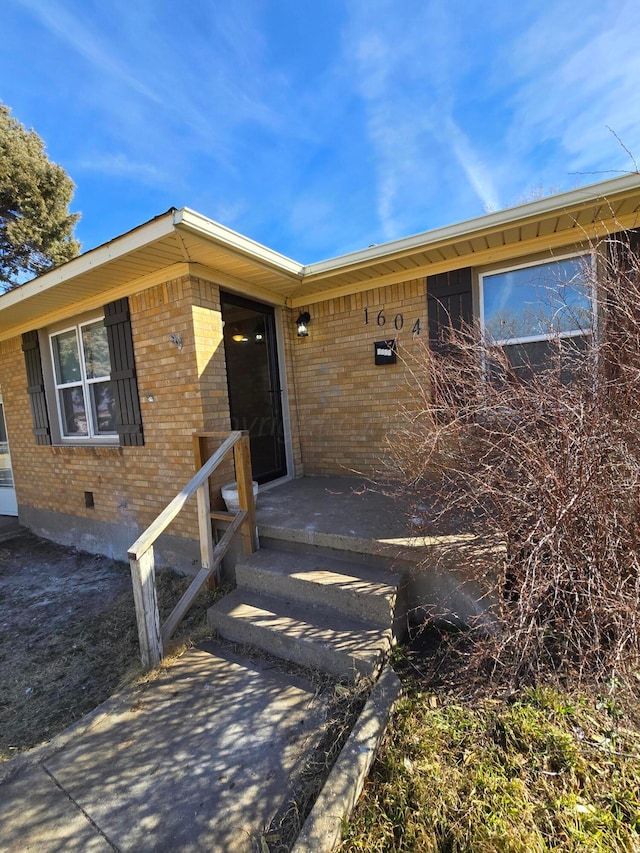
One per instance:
(386, 352)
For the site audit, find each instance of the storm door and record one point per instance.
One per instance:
(253, 377)
(8, 503)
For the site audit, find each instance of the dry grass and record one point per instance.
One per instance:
(345, 701)
(534, 772)
(68, 636)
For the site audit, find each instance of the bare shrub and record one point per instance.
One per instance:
(547, 456)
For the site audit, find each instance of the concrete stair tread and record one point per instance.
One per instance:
(321, 569)
(356, 590)
(322, 624)
(309, 632)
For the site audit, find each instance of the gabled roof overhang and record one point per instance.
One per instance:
(174, 244)
(183, 242)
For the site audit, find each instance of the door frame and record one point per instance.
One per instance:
(284, 398)
(277, 360)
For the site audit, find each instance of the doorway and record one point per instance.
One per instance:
(253, 378)
(8, 502)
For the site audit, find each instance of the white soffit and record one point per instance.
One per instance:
(545, 224)
(138, 259)
(235, 243)
(602, 197)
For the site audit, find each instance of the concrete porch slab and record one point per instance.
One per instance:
(351, 514)
(343, 507)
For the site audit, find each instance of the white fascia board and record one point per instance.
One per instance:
(202, 226)
(116, 248)
(500, 219)
(205, 228)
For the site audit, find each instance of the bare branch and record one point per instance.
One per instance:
(541, 450)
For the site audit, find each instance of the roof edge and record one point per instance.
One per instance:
(187, 220)
(498, 219)
(138, 237)
(201, 225)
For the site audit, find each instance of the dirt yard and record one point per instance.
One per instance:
(67, 636)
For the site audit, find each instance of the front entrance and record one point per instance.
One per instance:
(8, 503)
(253, 377)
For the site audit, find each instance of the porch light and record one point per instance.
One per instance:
(303, 324)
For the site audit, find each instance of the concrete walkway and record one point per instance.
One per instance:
(198, 760)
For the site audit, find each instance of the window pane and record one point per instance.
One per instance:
(536, 356)
(96, 350)
(67, 362)
(103, 405)
(542, 300)
(74, 415)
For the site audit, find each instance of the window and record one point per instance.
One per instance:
(85, 395)
(525, 309)
(82, 382)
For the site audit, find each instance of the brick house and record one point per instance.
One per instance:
(110, 363)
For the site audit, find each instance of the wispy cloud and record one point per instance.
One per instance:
(68, 27)
(200, 94)
(471, 164)
(119, 165)
(404, 57)
(506, 101)
(573, 76)
(319, 128)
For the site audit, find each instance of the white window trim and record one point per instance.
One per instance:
(589, 256)
(52, 387)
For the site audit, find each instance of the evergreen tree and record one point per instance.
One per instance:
(36, 228)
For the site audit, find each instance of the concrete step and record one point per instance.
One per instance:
(318, 637)
(355, 590)
(367, 552)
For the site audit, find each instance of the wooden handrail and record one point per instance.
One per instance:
(178, 612)
(160, 524)
(141, 553)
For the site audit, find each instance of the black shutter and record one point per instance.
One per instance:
(123, 372)
(622, 245)
(35, 387)
(624, 252)
(449, 305)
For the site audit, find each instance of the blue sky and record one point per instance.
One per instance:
(322, 127)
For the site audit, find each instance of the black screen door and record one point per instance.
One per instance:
(253, 377)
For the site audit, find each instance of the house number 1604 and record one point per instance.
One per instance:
(398, 321)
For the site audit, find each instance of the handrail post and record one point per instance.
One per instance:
(141, 554)
(242, 458)
(199, 451)
(204, 526)
(146, 601)
(203, 496)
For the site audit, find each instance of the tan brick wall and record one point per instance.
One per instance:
(346, 403)
(341, 405)
(180, 392)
